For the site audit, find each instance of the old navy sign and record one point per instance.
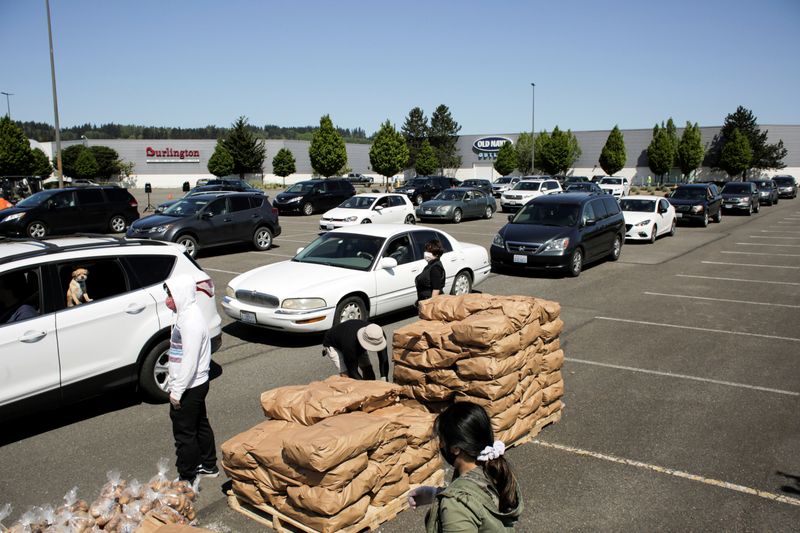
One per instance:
(490, 144)
(171, 155)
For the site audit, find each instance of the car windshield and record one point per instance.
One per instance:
(300, 187)
(548, 215)
(343, 250)
(36, 199)
(450, 196)
(358, 202)
(417, 182)
(579, 187)
(784, 182)
(737, 188)
(475, 183)
(186, 206)
(763, 185)
(502, 181)
(689, 193)
(528, 186)
(611, 181)
(646, 206)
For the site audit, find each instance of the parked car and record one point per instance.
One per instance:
(647, 217)
(56, 354)
(561, 231)
(526, 190)
(697, 202)
(741, 195)
(70, 210)
(503, 184)
(354, 177)
(424, 188)
(787, 186)
(616, 186)
(225, 186)
(367, 208)
(309, 197)
(349, 273)
(767, 191)
(484, 185)
(213, 219)
(456, 204)
(568, 180)
(587, 186)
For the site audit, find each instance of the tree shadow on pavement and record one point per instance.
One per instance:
(791, 489)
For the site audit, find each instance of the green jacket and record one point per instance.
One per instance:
(470, 504)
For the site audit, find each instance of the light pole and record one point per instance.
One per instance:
(533, 126)
(59, 167)
(8, 104)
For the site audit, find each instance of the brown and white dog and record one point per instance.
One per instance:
(76, 294)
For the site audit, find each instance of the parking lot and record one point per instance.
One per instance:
(682, 388)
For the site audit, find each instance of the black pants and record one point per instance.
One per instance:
(194, 438)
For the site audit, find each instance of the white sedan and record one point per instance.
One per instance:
(647, 217)
(370, 208)
(349, 273)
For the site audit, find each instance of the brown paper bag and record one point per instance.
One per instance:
(551, 330)
(421, 474)
(493, 389)
(482, 329)
(390, 492)
(505, 347)
(329, 502)
(553, 392)
(236, 450)
(423, 335)
(324, 524)
(427, 359)
(530, 402)
(487, 368)
(552, 362)
(506, 419)
(431, 392)
(419, 421)
(453, 308)
(416, 456)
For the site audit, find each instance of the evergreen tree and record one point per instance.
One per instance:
(248, 152)
(736, 155)
(388, 154)
(283, 164)
(506, 160)
(659, 153)
(613, 157)
(415, 131)
(426, 160)
(540, 143)
(672, 137)
(523, 150)
(764, 155)
(690, 150)
(327, 151)
(69, 156)
(107, 161)
(443, 135)
(16, 157)
(86, 166)
(41, 165)
(221, 162)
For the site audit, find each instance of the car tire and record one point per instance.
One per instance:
(350, 308)
(488, 213)
(117, 224)
(704, 222)
(308, 209)
(154, 373)
(410, 219)
(672, 229)
(653, 234)
(366, 221)
(36, 230)
(418, 199)
(190, 243)
(575, 263)
(456, 216)
(718, 217)
(616, 249)
(758, 207)
(462, 284)
(262, 238)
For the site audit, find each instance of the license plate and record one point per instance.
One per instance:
(520, 258)
(248, 317)
(678, 215)
(429, 211)
(329, 227)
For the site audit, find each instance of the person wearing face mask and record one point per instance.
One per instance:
(189, 363)
(430, 282)
(483, 496)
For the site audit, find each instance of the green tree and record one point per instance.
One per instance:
(415, 131)
(107, 161)
(506, 160)
(327, 151)
(559, 152)
(283, 164)
(41, 164)
(672, 137)
(248, 151)
(443, 135)
(86, 166)
(613, 157)
(736, 155)
(221, 162)
(16, 157)
(764, 155)
(540, 143)
(690, 150)
(659, 154)
(523, 150)
(426, 160)
(389, 153)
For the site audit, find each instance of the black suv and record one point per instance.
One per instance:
(213, 219)
(424, 188)
(787, 186)
(70, 210)
(741, 195)
(561, 231)
(697, 202)
(767, 191)
(307, 197)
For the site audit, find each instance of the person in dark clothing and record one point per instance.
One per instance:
(430, 282)
(348, 344)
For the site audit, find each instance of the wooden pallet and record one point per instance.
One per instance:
(270, 517)
(540, 425)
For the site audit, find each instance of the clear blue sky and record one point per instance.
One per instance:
(595, 63)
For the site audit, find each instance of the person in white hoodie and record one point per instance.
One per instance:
(189, 362)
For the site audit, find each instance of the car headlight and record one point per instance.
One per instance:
(229, 292)
(301, 304)
(410, 191)
(295, 199)
(159, 229)
(643, 223)
(15, 216)
(444, 208)
(697, 209)
(351, 219)
(498, 241)
(556, 245)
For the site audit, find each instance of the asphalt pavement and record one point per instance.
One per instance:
(682, 389)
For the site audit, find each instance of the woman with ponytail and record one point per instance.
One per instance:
(483, 496)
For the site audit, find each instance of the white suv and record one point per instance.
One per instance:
(53, 351)
(525, 191)
(616, 186)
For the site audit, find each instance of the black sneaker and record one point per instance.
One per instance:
(189, 480)
(205, 471)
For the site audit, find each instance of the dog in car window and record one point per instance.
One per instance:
(76, 293)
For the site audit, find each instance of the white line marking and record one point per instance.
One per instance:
(684, 376)
(747, 265)
(768, 244)
(669, 471)
(739, 279)
(223, 271)
(708, 330)
(770, 237)
(778, 231)
(271, 253)
(760, 253)
(792, 223)
(720, 299)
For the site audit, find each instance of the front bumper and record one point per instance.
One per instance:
(15, 228)
(638, 233)
(787, 193)
(689, 217)
(737, 205)
(512, 205)
(503, 258)
(316, 320)
(293, 207)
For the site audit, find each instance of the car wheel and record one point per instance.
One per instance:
(410, 219)
(462, 284)
(672, 229)
(117, 224)
(704, 223)
(576, 263)
(154, 373)
(37, 230)
(750, 211)
(718, 217)
(190, 243)
(776, 201)
(366, 221)
(308, 209)
(488, 213)
(653, 234)
(457, 216)
(616, 249)
(262, 239)
(351, 308)
(758, 207)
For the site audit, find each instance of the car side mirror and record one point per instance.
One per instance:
(378, 208)
(510, 218)
(387, 263)
(590, 222)
(205, 215)
(159, 210)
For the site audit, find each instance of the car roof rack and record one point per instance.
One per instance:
(48, 248)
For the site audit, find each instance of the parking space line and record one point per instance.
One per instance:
(694, 328)
(672, 472)
(761, 253)
(768, 244)
(747, 265)
(719, 299)
(271, 253)
(771, 237)
(779, 231)
(739, 279)
(782, 222)
(223, 271)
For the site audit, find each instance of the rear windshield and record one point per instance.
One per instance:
(502, 181)
(737, 188)
(646, 206)
(783, 181)
(689, 193)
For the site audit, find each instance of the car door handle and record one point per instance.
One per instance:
(134, 309)
(255, 215)
(227, 219)
(32, 336)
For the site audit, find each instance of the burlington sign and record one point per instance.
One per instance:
(490, 144)
(170, 155)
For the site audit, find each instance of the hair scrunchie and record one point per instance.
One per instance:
(492, 452)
